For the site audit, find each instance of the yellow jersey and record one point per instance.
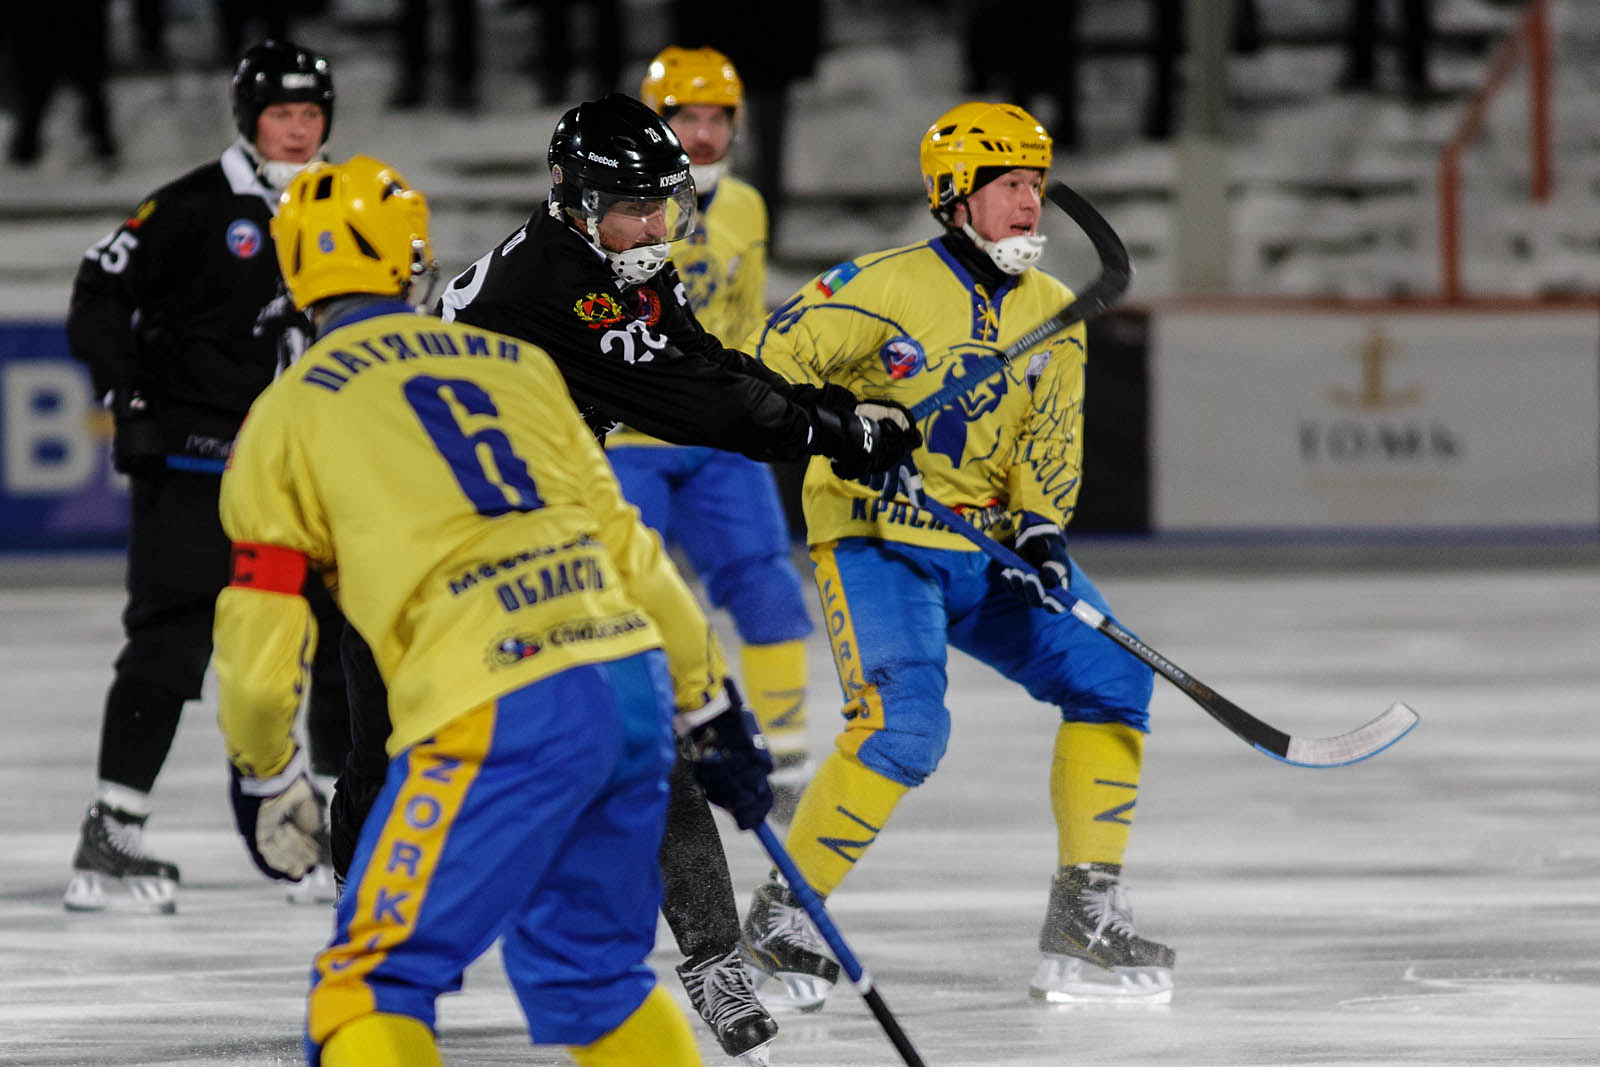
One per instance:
(440, 477)
(900, 324)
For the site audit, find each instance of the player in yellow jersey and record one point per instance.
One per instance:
(897, 587)
(721, 508)
(537, 644)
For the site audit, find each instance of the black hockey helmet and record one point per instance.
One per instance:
(615, 149)
(279, 72)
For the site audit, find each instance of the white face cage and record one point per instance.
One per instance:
(638, 265)
(1011, 254)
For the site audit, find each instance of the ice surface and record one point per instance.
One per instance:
(1434, 906)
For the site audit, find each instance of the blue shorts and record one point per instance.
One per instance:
(535, 819)
(723, 510)
(892, 609)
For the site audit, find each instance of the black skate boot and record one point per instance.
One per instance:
(720, 990)
(780, 942)
(110, 861)
(1090, 949)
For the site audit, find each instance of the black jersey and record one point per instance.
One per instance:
(631, 354)
(167, 303)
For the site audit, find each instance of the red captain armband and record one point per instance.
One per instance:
(269, 568)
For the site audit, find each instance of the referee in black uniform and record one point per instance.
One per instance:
(165, 313)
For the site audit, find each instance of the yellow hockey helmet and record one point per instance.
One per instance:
(681, 76)
(975, 136)
(352, 227)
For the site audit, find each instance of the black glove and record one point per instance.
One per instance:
(289, 329)
(834, 398)
(280, 819)
(869, 439)
(730, 757)
(1044, 546)
(137, 445)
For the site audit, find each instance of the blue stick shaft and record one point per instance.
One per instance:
(830, 933)
(813, 904)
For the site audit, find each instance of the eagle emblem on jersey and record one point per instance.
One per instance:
(599, 310)
(946, 431)
(700, 279)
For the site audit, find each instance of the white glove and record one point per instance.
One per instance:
(280, 819)
(879, 411)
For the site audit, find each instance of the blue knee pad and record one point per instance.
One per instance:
(908, 756)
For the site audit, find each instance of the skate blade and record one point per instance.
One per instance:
(805, 993)
(1068, 980)
(317, 887)
(756, 1057)
(93, 891)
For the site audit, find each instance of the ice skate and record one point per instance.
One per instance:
(111, 869)
(719, 987)
(788, 779)
(319, 885)
(781, 942)
(1090, 952)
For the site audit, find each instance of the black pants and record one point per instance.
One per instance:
(64, 41)
(414, 38)
(603, 46)
(177, 565)
(697, 893)
(237, 18)
(1415, 37)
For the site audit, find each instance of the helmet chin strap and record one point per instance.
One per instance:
(1011, 254)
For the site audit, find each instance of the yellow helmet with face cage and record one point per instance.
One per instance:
(681, 76)
(352, 227)
(976, 136)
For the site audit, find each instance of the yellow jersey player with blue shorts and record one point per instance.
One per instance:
(538, 646)
(721, 508)
(898, 587)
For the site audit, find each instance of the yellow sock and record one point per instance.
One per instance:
(655, 1035)
(381, 1040)
(775, 688)
(840, 814)
(1094, 781)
